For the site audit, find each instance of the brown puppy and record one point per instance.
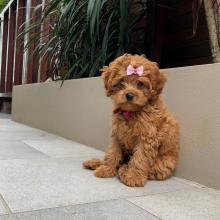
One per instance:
(145, 136)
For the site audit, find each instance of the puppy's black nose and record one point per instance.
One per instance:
(129, 96)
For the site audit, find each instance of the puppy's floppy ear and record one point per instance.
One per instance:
(105, 71)
(160, 81)
(158, 84)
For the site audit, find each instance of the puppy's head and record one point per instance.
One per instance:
(131, 89)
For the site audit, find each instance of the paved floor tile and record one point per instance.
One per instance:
(16, 127)
(2, 208)
(27, 135)
(5, 116)
(192, 183)
(106, 210)
(9, 125)
(7, 122)
(18, 150)
(188, 204)
(64, 148)
(40, 171)
(44, 183)
(10, 130)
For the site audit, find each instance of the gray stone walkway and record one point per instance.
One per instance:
(41, 177)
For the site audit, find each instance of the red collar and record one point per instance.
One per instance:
(127, 115)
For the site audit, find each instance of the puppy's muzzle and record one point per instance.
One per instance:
(129, 96)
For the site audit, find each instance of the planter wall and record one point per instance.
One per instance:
(80, 111)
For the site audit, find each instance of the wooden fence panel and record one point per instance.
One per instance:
(11, 45)
(21, 17)
(4, 51)
(33, 59)
(44, 60)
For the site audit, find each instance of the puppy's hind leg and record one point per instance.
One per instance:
(163, 167)
(166, 160)
(92, 164)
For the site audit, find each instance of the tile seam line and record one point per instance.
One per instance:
(6, 206)
(46, 158)
(147, 211)
(189, 182)
(161, 193)
(106, 200)
(23, 142)
(62, 206)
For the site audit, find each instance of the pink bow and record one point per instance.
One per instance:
(131, 70)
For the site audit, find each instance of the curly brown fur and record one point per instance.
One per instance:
(146, 146)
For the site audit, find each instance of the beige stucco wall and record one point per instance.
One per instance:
(80, 111)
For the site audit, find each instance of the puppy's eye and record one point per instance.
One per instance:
(141, 85)
(118, 85)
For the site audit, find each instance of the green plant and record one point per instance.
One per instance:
(3, 3)
(87, 34)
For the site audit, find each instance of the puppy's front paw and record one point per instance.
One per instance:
(92, 164)
(105, 171)
(131, 177)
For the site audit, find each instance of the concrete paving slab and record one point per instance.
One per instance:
(5, 116)
(45, 183)
(187, 204)
(64, 148)
(27, 135)
(16, 127)
(18, 150)
(3, 210)
(106, 210)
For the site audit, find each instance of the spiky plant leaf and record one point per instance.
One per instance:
(86, 34)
